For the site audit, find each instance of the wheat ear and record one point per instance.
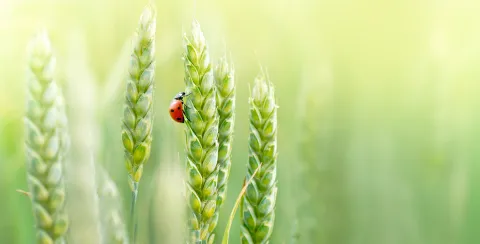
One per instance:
(46, 143)
(201, 137)
(225, 84)
(138, 112)
(258, 206)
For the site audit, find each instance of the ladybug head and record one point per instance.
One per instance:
(179, 96)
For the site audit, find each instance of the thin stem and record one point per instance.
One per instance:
(226, 234)
(133, 217)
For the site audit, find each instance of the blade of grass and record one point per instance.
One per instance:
(26, 193)
(226, 234)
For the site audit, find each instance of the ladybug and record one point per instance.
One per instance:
(176, 108)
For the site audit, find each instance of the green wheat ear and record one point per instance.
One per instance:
(138, 112)
(258, 206)
(46, 143)
(225, 84)
(201, 137)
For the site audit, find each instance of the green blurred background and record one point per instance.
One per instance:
(378, 118)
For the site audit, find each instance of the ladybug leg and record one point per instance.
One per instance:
(185, 116)
(185, 106)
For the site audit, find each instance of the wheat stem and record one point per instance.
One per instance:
(46, 143)
(138, 113)
(226, 234)
(133, 217)
(258, 206)
(201, 137)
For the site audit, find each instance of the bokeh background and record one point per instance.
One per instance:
(378, 114)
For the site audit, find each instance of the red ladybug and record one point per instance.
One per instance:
(176, 108)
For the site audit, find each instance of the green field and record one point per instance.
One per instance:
(378, 119)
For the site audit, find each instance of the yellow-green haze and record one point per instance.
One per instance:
(378, 118)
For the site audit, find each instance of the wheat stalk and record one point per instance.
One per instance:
(46, 143)
(226, 234)
(258, 206)
(201, 137)
(138, 112)
(225, 84)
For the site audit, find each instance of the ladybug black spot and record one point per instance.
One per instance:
(171, 110)
(178, 108)
(179, 119)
